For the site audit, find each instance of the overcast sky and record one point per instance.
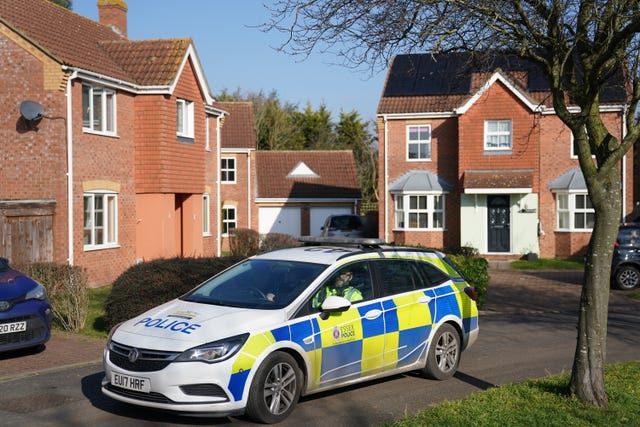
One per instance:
(235, 55)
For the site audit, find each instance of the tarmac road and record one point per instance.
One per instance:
(527, 331)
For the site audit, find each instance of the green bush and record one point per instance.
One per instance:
(474, 269)
(152, 283)
(244, 242)
(273, 241)
(67, 290)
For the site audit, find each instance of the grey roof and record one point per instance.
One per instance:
(420, 180)
(571, 180)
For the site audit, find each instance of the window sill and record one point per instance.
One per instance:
(575, 230)
(91, 248)
(185, 139)
(99, 133)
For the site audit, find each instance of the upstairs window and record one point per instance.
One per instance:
(228, 170)
(419, 142)
(100, 220)
(98, 109)
(184, 118)
(497, 135)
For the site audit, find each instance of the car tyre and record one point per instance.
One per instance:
(275, 389)
(444, 354)
(627, 277)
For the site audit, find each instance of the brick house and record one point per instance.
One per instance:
(130, 158)
(473, 154)
(122, 166)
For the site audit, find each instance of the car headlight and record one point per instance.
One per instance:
(213, 352)
(37, 293)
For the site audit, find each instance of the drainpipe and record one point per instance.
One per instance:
(249, 188)
(386, 178)
(218, 204)
(69, 122)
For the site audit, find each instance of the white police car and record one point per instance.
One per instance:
(295, 321)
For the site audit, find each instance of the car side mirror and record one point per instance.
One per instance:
(334, 304)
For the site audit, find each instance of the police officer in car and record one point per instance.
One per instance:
(341, 287)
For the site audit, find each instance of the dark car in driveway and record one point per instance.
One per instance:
(25, 312)
(625, 266)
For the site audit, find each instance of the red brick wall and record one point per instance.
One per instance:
(165, 164)
(96, 159)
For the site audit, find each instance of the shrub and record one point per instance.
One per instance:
(273, 241)
(244, 242)
(152, 283)
(474, 270)
(67, 290)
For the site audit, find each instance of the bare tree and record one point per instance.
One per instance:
(580, 44)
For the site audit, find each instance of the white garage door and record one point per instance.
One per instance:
(319, 215)
(279, 220)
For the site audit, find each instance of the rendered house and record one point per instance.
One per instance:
(123, 166)
(473, 154)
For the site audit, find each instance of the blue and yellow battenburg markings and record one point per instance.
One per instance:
(349, 344)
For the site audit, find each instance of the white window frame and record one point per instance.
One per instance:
(226, 170)
(574, 211)
(184, 118)
(206, 205)
(227, 223)
(430, 207)
(416, 145)
(100, 222)
(106, 123)
(499, 139)
(574, 153)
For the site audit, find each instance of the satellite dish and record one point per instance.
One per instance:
(31, 111)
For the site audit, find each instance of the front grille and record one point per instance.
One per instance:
(211, 390)
(147, 361)
(36, 330)
(149, 397)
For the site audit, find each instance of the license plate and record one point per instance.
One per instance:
(130, 382)
(9, 328)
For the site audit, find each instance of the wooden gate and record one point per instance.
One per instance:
(26, 231)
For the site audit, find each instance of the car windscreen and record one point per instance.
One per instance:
(258, 284)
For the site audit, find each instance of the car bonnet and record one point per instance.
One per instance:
(14, 284)
(179, 325)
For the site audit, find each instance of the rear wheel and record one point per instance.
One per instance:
(275, 389)
(627, 277)
(444, 354)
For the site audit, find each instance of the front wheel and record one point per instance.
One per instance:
(627, 278)
(444, 354)
(275, 389)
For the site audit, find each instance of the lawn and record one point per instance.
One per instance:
(95, 325)
(540, 402)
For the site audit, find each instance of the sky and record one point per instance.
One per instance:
(234, 54)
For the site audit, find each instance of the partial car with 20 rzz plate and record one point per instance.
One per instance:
(255, 337)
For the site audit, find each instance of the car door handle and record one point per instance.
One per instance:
(373, 314)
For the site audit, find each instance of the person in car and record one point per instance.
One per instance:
(341, 287)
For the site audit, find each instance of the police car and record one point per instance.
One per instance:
(293, 322)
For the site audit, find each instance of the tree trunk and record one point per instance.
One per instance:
(587, 377)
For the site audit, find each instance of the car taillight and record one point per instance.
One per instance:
(471, 292)
(616, 244)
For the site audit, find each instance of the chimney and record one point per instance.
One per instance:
(113, 13)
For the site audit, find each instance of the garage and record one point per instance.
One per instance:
(285, 220)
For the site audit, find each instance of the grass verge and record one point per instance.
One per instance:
(548, 264)
(540, 403)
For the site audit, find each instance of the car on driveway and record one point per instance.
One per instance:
(293, 322)
(625, 266)
(25, 312)
(343, 226)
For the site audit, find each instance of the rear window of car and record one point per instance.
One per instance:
(628, 236)
(346, 222)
